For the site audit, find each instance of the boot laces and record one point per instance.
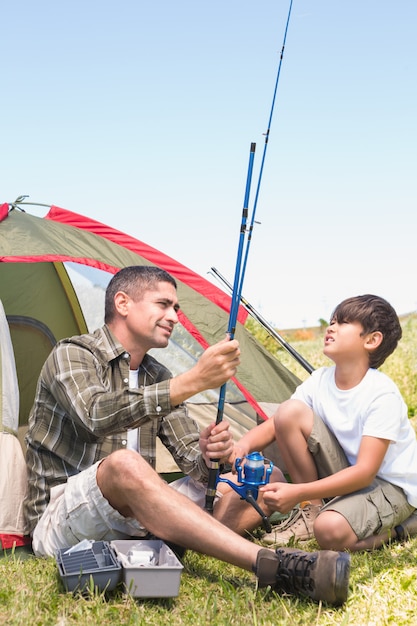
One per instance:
(294, 572)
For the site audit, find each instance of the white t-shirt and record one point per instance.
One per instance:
(373, 408)
(132, 435)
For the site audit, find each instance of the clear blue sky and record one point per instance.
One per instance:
(141, 114)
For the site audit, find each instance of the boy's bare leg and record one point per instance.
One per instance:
(333, 532)
(293, 425)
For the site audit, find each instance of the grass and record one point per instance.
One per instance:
(382, 591)
(383, 584)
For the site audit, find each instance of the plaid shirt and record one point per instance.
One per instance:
(84, 407)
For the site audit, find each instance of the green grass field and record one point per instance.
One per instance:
(383, 585)
(382, 592)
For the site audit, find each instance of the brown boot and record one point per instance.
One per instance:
(322, 576)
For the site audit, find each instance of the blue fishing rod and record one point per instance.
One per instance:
(261, 169)
(234, 308)
(240, 270)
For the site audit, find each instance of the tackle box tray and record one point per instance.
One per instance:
(99, 562)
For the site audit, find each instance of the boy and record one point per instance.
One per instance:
(346, 440)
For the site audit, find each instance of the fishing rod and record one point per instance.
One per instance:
(234, 308)
(261, 169)
(262, 321)
(240, 271)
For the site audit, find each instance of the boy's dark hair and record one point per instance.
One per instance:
(375, 314)
(133, 280)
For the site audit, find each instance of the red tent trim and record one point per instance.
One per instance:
(4, 211)
(160, 259)
(154, 256)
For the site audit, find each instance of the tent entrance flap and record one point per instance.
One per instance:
(41, 306)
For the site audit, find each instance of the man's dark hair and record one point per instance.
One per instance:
(133, 280)
(374, 314)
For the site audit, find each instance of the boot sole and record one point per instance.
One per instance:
(341, 587)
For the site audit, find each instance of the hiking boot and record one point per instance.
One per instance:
(297, 527)
(322, 576)
(407, 528)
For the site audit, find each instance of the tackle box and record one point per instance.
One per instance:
(148, 568)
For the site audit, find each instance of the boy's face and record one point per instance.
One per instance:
(345, 340)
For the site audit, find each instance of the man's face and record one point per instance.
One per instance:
(152, 318)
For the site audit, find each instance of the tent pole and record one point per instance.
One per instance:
(262, 321)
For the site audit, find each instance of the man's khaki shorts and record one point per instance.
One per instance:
(78, 510)
(370, 511)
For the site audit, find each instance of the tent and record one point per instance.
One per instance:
(42, 306)
(12, 463)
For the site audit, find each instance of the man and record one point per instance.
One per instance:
(101, 401)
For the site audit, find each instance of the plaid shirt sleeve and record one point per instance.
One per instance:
(84, 407)
(180, 434)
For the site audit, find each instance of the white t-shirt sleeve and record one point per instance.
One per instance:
(383, 419)
(307, 390)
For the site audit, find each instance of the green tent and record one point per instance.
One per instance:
(42, 306)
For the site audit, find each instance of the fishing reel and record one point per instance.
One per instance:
(252, 473)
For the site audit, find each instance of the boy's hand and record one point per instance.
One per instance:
(239, 452)
(281, 497)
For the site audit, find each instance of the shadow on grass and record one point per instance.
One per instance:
(386, 560)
